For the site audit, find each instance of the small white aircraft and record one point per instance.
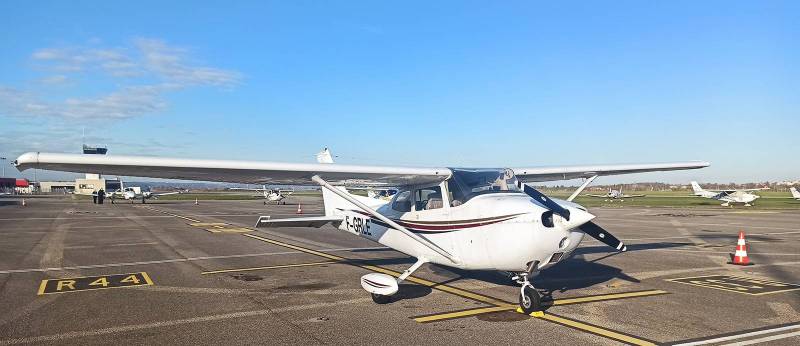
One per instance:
(472, 219)
(795, 193)
(728, 196)
(270, 195)
(132, 193)
(613, 195)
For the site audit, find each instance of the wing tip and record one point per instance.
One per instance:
(26, 160)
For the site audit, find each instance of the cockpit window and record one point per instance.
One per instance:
(468, 183)
(402, 201)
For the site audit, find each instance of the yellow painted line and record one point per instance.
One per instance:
(147, 278)
(565, 301)
(206, 224)
(595, 330)
(414, 279)
(42, 286)
(171, 214)
(459, 314)
(568, 301)
(268, 267)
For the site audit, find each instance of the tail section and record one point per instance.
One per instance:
(324, 156)
(795, 193)
(697, 189)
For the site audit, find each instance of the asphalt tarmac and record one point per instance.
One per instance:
(172, 272)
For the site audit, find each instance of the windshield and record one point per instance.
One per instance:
(468, 183)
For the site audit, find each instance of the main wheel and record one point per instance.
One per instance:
(380, 298)
(529, 300)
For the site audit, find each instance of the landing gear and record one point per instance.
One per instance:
(381, 299)
(529, 299)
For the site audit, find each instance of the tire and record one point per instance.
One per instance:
(529, 300)
(381, 299)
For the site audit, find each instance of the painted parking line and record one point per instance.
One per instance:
(557, 302)
(462, 313)
(784, 331)
(86, 283)
(738, 284)
(434, 285)
(171, 214)
(496, 302)
(594, 329)
(269, 267)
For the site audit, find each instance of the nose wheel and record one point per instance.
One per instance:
(529, 299)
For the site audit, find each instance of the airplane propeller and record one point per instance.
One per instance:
(546, 201)
(589, 228)
(602, 235)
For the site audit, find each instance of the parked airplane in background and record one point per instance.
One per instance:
(728, 196)
(613, 195)
(132, 193)
(795, 193)
(472, 219)
(270, 195)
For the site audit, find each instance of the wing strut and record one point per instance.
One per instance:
(580, 189)
(427, 243)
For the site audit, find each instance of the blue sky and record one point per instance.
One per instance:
(445, 83)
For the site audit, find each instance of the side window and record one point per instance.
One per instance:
(456, 195)
(428, 198)
(402, 202)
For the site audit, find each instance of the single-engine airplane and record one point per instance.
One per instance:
(613, 195)
(795, 193)
(727, 197)
(473, 219)
(270, 195)
(132, 193)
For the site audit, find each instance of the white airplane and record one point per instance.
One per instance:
(795, 193)
(472, 219)
(270, 195)
(728, 196)
(132, 193)
(613, 195)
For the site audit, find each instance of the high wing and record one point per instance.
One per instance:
(538, 174)
(598, 196)
(278, 173)
(165, 193)
(732, 191)
(247, 189)
(245, 172)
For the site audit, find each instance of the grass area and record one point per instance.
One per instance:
(768, 200)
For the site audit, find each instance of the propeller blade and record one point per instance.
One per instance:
(546, 201)
(602, 235)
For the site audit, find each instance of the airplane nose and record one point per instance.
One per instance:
(577, 217)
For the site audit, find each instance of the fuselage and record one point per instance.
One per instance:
(501, 231)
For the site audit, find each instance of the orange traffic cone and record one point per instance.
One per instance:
(740, 257)
(299, 209)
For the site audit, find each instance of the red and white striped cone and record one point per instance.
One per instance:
(299, 209)
(740, 257)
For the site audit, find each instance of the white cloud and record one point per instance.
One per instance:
(170, 63)
(55, 79)
(146, 70)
